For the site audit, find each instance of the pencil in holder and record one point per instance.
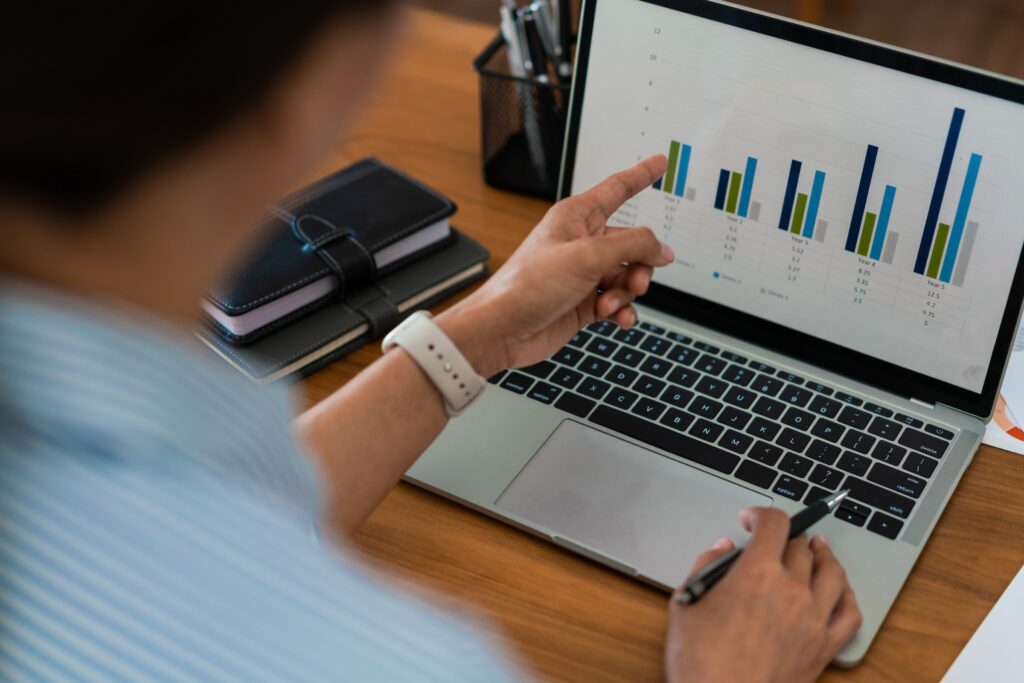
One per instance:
(522, 122)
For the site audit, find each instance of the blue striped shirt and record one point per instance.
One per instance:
(157, 522)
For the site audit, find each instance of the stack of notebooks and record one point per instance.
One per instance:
(341, 263)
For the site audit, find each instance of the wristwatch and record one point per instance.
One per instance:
(439, 358)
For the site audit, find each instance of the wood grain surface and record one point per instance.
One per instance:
(565, 618)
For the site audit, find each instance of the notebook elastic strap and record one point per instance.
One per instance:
(338, 248)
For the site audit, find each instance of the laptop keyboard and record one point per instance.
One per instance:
(765, 426)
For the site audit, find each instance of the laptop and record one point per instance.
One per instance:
(848, 281)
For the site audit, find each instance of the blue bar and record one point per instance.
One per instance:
(883, 222)
(940, 190)
(657, 183)
(812, 207)
(787, 203)
(862, 199)
(684, 166)
(723, 187)
(748, 186)
(961, 217)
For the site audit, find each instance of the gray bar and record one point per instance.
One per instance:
(820, 229)
(890, 247)
(691, 194)
(755, 211)
(965, 254)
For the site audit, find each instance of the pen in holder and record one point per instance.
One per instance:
(522, 124)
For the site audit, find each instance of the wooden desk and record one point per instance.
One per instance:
(566, 618)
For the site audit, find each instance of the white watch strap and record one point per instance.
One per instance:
(439, 359)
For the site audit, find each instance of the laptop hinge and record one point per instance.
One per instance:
(917, 401)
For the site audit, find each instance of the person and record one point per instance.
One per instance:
(158, 514)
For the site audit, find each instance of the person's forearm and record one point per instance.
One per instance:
(368, 433)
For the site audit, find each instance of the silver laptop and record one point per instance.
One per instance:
(848, 226)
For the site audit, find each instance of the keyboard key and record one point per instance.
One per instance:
(677, 396)
(826, 477)
(855, 507)
(919, 464)
(939, 432)
(793, 440)
(887, 429)
(735, 441)
(628, 356)
(580, 339)
(494, 379)
(815, 494)
(517, 382)
(564, 377)
(897, 480)
(544, 392)
(763, 429)
(648, 386)
(761, 367)
(767, 385)
(594, 388)
(708, 431)
(795, 465)
(766, 453)
(769, 407)
(708, 348)
(825, 406)
(568, 356)
(740, 397)
(847, 398)
(710, 364)
(821, 388)
(655, 366)
(603, 327)
(828, 430)
(602, 347)
(800, 419)
(909, 421)
(666, 439)
(877, 409)
(711, 387)
(632, 336)
(659, 346)
(854, 417)
(624, 377)
(884, 525)
(889, 453)
(795, 395)
(705, 407)
(738, 375)
(575, 404)
(848, 515)
(677, 419)
(595, 366)
(734, 417)
(684, 377)
(539, 370)
(790, 377)
(823, 452)
(755, 474)
(854, 463)
(620, 398)
(652, 410)
(651, 327)
(734, 357)
(858, 441)
(679, 338)
(926, 443)
(879, 497)
(789, 487)
(683, 355)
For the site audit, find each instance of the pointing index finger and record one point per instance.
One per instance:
(610, 194)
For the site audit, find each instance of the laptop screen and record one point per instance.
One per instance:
(856, 203)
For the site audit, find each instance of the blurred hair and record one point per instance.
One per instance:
(95, 94)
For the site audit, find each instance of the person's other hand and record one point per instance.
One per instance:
(571, 270)
(780, 615)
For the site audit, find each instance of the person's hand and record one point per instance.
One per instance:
(780, 615)
(571, 270)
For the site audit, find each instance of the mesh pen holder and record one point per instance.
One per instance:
(522, 124)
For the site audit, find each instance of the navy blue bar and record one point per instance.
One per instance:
(723, 186)
(940, 190)
(787, 203)
(862, 198)
(657, 183)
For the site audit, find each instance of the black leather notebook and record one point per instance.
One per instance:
(326, 241)
(341, 325)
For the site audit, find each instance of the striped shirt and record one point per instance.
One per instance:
(157, 523)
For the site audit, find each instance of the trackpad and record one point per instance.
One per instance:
(634, 506)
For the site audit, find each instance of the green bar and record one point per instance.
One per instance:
(734, 192)
(937, 249)
(673, 162)
(867, 233)
(798, 214)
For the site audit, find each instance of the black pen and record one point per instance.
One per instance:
(701, 582)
